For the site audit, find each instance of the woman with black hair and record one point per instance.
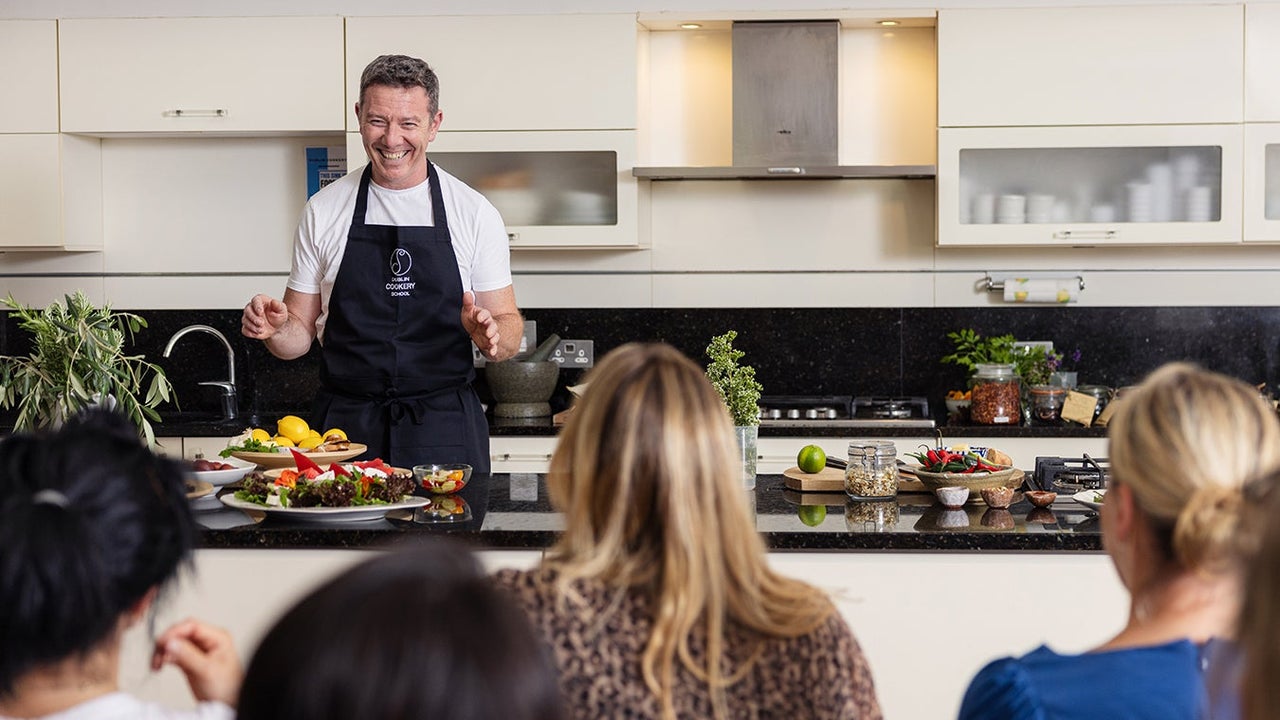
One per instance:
(410, 635)
(93, 526)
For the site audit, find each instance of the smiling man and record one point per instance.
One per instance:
(397, 268)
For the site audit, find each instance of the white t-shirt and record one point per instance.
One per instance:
(122, 706)
(475, 229)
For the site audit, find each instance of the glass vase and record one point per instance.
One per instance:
(747, 437)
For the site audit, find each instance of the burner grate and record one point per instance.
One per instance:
(1067, 476)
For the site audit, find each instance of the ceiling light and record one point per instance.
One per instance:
(888, 23)
(690, 26)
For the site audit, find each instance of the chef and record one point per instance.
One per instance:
(397, 269)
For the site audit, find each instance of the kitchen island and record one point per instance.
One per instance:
(931, 594)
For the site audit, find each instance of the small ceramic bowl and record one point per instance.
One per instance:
(444, 478)
(1041, 498)
(997, 497)
(953, 496)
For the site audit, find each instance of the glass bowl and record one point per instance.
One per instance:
(442, 478)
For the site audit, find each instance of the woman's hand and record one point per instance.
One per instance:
(206, 655)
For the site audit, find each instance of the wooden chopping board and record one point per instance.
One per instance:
(831, 479)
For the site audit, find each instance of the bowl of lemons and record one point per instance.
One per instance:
(261, 447)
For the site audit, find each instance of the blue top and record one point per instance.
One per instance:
(1160, 682)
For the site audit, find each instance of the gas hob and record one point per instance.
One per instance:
(844, 411)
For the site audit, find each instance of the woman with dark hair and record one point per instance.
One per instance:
(411, 635)
(658, 600)
(93, 526)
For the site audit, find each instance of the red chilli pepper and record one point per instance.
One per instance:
(303, 462)
(933, 457)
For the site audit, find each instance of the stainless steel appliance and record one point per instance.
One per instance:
(844, 411)
(1068, 476)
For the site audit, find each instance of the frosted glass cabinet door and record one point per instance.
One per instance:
(553, 189)
(531, 72)
(29, 76)
(1262, 182)
(1098, 65)
(1091, 186)
(242, 75)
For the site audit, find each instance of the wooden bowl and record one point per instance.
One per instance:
(1009, 477)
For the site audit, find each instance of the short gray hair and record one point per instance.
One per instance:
(402, 71)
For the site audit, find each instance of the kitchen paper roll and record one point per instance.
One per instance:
(1041, 290)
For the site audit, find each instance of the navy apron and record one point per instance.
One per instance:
(396, 363)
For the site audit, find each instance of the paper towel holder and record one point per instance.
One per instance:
(996, 283)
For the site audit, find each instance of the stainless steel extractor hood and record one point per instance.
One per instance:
(786, 115)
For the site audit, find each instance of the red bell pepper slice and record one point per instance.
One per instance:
(303, 462)
(339, 470)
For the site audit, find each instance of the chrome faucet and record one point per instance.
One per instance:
(228, 386)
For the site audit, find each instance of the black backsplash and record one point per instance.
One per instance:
(845, 351)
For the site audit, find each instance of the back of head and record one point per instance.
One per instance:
(1259, 630)
(90, 521)
(645, 474)
(402, 71)
(1188, 441)
(418, 633)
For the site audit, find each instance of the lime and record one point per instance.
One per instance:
(811, 459)
(812, 515)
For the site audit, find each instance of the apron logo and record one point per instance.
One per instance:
(401, 261)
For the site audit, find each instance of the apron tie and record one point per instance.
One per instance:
(398, 408)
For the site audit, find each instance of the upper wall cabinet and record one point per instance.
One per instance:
(1092, 66)
(1261, 63)
(54, 202)
(206, 75)
(29, 76)
(536, 72)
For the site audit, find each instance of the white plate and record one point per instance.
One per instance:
(359, 513)
(1085, 498)
(222, 477)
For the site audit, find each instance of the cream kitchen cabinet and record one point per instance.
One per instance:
(29, 76)
(521, 454)
(1135, 65)
(535, 72)
(201, 75)
(1262, 182)
(553, 189)
(51, 195)
(1090, 186)
(1261, 60)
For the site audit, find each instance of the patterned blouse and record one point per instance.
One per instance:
(819, 675)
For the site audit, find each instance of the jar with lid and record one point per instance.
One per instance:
(1101, 393)
(872, 472)
(1046, 404)
(996, 396)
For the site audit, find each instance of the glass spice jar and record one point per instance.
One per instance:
(995, 395)
(872, 471)
(1046, 404)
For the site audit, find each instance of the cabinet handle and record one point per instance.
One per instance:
(179, 112)
(512, 237)
(1086, 234)
(786, 171)
(507, 457)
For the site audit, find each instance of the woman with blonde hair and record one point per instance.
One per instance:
(1184, 447)
(1260, 614)
(657, 600)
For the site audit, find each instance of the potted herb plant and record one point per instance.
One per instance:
(78, 359)
(740, 391)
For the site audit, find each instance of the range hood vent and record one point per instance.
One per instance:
(786, 109)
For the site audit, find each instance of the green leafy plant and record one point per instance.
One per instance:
(1033, 363)
(736, 384)
(78, 360)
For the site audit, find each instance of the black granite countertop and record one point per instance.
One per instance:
(511, 511)
(209, 425)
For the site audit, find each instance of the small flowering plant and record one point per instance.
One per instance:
(1066, 362)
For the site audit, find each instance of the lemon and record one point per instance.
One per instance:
(335, 431)
(260, 435)
(292, 427)
(812, 515)
(313, 434)
(310, 442)
(811, 459)
(283, 441)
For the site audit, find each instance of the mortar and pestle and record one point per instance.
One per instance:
(522, 386)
